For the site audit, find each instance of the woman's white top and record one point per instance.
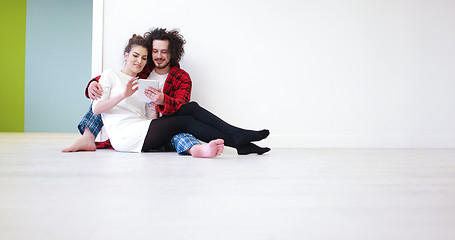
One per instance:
(128, 122)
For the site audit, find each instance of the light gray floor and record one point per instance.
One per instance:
(286, 194)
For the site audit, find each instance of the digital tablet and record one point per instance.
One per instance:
(144, 84)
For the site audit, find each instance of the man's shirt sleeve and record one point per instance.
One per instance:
(176, 93)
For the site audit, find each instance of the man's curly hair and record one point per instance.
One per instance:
(175, 39)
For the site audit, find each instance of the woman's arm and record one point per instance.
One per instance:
(108, 104)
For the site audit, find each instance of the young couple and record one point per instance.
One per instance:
(135, 126)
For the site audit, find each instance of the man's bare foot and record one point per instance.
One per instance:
(207, 150)
(81, 144)
(85, 143)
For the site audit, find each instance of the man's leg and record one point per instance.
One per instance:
(89, 127)
(91, 121)
(185, 143)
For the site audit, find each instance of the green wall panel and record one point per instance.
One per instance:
(12, 64)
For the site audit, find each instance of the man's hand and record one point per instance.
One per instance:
(156, 96)
(95, 90)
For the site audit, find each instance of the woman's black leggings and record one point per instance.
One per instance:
(192, 118)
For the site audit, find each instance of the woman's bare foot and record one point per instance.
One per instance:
(85, 143)
(207, 150)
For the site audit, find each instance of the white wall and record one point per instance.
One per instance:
(319, 73)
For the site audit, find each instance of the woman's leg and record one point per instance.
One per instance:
(239, 136)
(163, 129)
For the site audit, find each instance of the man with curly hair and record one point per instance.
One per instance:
(165, 51)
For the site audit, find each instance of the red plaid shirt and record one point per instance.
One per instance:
(177, 88)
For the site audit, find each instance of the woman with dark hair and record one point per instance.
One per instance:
(133, 126)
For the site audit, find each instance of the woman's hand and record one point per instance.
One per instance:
(156, 96)
(130, 88)
(108, 104)
(154, 108)
(95, 90)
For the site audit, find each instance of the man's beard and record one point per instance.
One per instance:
(164, 66)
